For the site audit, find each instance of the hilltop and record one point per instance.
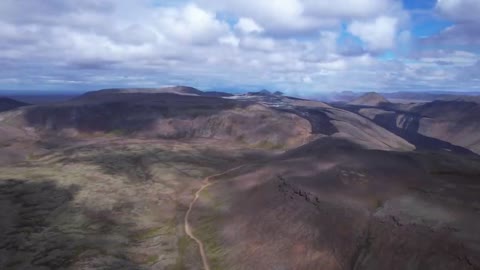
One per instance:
(370, 99)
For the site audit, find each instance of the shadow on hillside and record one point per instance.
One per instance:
(270, 231)
(411, 133)
(123, 114)
(41, 228)
(319, 120)
(7, 104)
(316, 218)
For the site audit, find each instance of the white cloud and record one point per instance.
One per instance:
(460, 10)
(379, 34)
(348, 8)
(466, 30)
(307, 79)
(189, 24)
(257, 43)
(247, 26)
(447, 59)
(288, 44)
(230, 39)
(293, 16)
(275, 15)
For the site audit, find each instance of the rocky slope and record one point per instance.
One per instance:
(332, 204)
(166, 116)
(445, 124)
(270, 121)
(452, 121)
(104, 181)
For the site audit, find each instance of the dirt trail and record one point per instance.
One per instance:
(188, 228)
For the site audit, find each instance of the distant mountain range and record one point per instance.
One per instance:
(450, 123)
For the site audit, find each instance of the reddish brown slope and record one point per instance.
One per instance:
(334, 205)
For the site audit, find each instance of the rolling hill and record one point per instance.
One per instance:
(370, 99)
(332, 204)
(433, 124)
(7, 104)
(177, 178)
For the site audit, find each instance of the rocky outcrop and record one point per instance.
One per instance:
(382, 234)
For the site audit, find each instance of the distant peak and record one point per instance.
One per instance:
(179, 89)
(370, 99)
(265, 92)
(278, 93)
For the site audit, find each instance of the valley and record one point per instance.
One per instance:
(177, 178)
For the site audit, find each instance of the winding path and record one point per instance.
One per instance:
(188, 228)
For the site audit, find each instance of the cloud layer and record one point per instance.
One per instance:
(298, 46)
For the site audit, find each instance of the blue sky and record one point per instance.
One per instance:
(303, 47)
